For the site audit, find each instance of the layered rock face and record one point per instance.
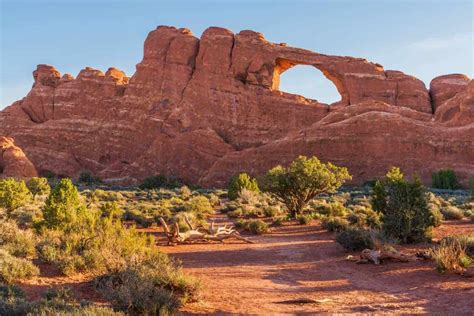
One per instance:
(205, 109)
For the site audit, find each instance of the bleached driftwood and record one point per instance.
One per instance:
(200, 234)
(378, 255)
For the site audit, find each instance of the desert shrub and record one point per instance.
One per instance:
(257, 227)
(235, 213)
(98, 247)
(271, 210)
(241, 224)
(471, 185)
(138, 217)
(354, 238)
(63, 206)
(304, 179)
(108, 196)
(213, 199)
(249, 197)
(60, 293)
(404, 207)
(111, 210)
(154, 286)
(445, 179)
(159, 181)
(335, 209)
(230, 206)
(88, 178)
(452, 213)
(38, 186)
(364, 216)
(180, 219)
(437, 216)
(185, 192)
(200, 206)
(16, 241)
(239, 182)
(13, 301)
(304, 219)
(451, 254)
(277, 221)
(13, 269)
(13, 194)
(334, 224)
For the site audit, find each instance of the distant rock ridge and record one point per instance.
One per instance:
(205, 109)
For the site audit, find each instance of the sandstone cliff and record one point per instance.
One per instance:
(204, 109)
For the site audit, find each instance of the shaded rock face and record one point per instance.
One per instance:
(13, 162)
(205, 109)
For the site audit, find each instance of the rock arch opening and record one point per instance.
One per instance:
(307, 81)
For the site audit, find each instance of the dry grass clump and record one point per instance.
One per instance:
(452, 254)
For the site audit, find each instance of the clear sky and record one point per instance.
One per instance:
(421, 38)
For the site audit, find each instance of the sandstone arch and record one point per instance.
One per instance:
(312, 75)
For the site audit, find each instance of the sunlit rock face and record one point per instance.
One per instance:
(204, 109)
(13, 162)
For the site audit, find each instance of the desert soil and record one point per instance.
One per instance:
(296, 263)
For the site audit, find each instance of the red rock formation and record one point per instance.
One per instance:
(13, 162)
(204, 109)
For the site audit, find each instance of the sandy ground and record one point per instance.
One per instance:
(296, 262)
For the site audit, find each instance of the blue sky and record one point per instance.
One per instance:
(421, 38)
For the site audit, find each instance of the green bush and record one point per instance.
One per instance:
(142, 220)
(38, 186)
(200, 206)
(452, 213)
(271, 210)
(235, 213)
(239, 182)
(111, 210)
(304, 219)
(334, 224)
(445, 179)
(89, 179)
(155, 286)
(404, 207)
(363, 216)
(63, 206)
(159, 181)
(16, 241)
(354, 238)
(257, 227)
(304, 179)
(277, 221)
(13, 194)
(13, 269)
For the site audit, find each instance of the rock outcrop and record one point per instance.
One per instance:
(205, 109)
(13, 162)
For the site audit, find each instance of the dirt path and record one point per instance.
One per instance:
(304, 262)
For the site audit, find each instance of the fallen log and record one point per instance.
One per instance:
(378, 255)
(200, 234)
